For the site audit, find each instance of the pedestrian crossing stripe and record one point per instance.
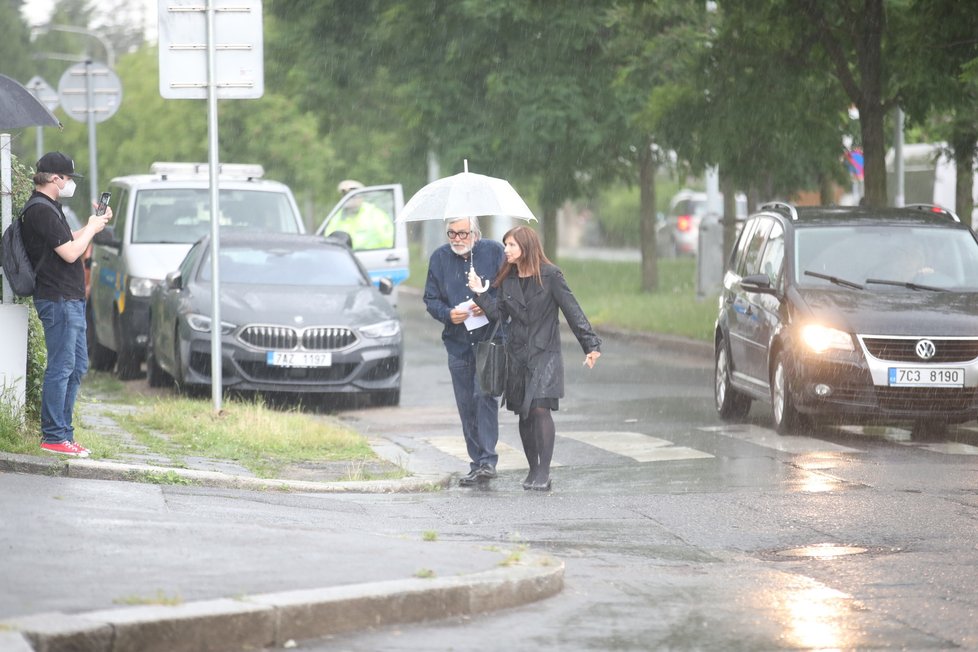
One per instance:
(795, 444)
(639, 447)
(510, 459)
(634, 445)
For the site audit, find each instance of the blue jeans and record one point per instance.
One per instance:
(479, 412)
(64, 335)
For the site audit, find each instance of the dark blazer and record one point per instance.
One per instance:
(533, 335)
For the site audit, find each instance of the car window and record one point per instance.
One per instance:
(941, 257)
(187, 265)
(750, 264)
(367, 217)
(118, 204)
(182, 215)
(737, 255)
(773, 255)
(319, 266)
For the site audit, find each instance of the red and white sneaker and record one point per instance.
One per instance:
(82, 451)
(64, 448)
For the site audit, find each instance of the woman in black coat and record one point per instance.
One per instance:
(531, 289)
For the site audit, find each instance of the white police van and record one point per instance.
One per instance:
(156, 219)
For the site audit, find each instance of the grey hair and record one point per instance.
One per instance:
(473, 223)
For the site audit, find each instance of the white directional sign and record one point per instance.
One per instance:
(90, 88)
(238, 50)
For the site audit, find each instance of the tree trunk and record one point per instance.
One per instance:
(647, 223)
(964, 143)
(549, 231)
(551, 197)
(729, 220)
(874, 154)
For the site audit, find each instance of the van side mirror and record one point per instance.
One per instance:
(106, 237)
(385, 285)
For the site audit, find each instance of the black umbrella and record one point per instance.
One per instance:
(19, 108)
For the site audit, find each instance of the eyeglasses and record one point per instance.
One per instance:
(461, 235)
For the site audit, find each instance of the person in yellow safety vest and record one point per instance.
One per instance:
(368, 226)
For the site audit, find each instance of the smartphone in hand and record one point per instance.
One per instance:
(103, 203)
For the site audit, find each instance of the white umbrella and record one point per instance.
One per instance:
(465, 195)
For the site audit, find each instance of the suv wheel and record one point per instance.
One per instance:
(127, 361)
(928, 429)
(100, 358)
(787, 419)
(730, 403)
(155, 375)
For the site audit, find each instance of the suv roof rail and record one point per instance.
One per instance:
(934, 208)
(782, 207)
(224, 170)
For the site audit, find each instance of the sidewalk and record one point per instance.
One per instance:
(376, 583)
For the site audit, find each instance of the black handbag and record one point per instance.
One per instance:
(490, 364)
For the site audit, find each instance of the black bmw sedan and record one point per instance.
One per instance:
(298, 314)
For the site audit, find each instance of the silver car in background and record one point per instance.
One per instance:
(686, 211)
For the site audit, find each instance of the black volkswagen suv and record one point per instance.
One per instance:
(850, 314)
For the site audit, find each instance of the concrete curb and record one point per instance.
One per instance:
(273, 619)
(108, 470)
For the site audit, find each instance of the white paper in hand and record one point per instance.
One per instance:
(472, 322)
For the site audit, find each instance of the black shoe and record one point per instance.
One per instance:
(485, 472)
(540, 485)
(470, 479)
(528, 481)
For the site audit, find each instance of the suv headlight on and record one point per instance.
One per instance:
(202, 324)
(141, 287)
(388, 328)
(821, 338)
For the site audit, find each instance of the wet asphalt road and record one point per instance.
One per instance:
(682, 533)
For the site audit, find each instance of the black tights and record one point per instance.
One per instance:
(537, 432)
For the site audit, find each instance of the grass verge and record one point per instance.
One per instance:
(611, 294)
(248, 433)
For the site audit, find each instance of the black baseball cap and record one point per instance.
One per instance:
(57, 163)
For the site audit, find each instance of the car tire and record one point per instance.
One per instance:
(928, 429)
(386, 398)
(731, 404)
(787, 419)
(100, 358)
(127, 362)
(155, 375)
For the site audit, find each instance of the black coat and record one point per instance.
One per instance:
(536, 367)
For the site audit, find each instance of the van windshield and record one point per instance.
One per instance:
(183, 215)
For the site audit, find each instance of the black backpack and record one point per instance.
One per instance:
(17, 268)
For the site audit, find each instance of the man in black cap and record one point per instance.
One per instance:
(59, 296)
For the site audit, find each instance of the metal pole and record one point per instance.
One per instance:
(92, 151)
(898, 168)
(216, 372)
(6, 208)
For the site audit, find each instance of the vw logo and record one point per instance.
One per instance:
(925, 349)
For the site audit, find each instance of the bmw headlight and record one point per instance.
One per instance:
(821, 338)
(202, 324)
(141, 287)
(388, 328)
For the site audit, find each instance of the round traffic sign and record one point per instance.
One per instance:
(90, 88)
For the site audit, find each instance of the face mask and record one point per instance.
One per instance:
(68, 190)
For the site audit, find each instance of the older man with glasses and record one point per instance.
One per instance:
(449, 300)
